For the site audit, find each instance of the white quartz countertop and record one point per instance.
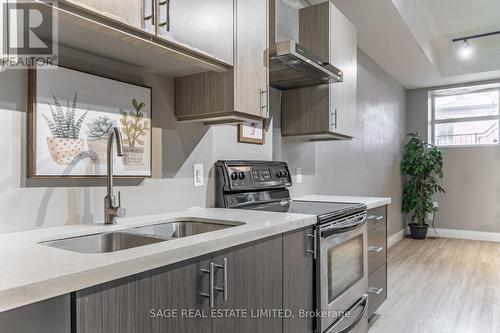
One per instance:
(370, 202)
(31, 272)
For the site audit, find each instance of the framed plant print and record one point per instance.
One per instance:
(252, 132)
(70, 113)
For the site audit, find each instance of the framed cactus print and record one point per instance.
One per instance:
(70, 113)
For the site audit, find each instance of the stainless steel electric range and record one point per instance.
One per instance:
(340, 238)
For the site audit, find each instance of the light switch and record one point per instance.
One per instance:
(198, 179)
(299, 175)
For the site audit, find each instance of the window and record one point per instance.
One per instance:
(465, 117)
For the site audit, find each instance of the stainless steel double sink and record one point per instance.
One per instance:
(138, 236)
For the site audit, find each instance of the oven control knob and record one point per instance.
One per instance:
(279, 174)
(242, 175)
(285, 174)
(234, 176)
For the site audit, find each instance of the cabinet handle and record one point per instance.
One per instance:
(152, 16)
(315, 244)
(211, 290)
(224, 282)
(375, 218)
(334, 114)
(375, 249)
(263, 106)
(375, 291)
(165, 24)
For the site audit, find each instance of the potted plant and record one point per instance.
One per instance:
(134, 128)
(65, 145)
(97, 137)
(422, 163)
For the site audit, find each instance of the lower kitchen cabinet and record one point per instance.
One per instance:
(254, 283)
(247, 277)
(298, 283)
(125, 305)
(377, 258)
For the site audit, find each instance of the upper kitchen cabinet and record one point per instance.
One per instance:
(169, 37)
(324, 112)
(202, 26)
(205, 26)
(129, 12)
(241, 93)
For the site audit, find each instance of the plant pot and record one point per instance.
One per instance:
(133, 155)
(65, 151)
(418, 231)
(99, 151)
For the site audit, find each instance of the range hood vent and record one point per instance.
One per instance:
(293, 66)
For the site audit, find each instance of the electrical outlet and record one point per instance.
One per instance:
(299, 175)
(198, 179)
(435, 204)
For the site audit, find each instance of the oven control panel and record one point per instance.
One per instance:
(240, 175)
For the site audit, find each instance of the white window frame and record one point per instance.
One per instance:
(433, 121)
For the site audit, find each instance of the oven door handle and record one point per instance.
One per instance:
(343, 227)
(363, 301)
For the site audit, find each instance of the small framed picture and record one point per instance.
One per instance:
(252, 132)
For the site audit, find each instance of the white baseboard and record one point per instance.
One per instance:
(468, 234)
(393, 239)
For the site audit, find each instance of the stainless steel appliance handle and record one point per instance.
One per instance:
(344, 226)
(363, 301)
(211, 291)
(224, 282)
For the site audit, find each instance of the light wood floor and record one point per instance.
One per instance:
(442, 286)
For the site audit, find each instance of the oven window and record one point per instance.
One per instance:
(345, 266)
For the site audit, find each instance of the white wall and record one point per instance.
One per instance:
(471, 176)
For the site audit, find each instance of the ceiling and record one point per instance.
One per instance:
(411, 39)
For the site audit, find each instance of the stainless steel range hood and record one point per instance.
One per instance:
(293, 66)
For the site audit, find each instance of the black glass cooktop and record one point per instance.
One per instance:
(326, 211)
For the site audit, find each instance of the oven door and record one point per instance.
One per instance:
(342, 274)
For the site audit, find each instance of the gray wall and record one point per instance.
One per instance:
(26, 203)
(367, 165)
(472, 177)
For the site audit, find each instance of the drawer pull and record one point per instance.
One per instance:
(211, 291)
(375, 218)
(224, 288)
(375, 249)
(375, 291)
(315, 244)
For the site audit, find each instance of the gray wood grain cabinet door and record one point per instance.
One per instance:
(250, 73)
(125, 305)
(254, 283)
(298, 283)
(202, 25)
(130, 12)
